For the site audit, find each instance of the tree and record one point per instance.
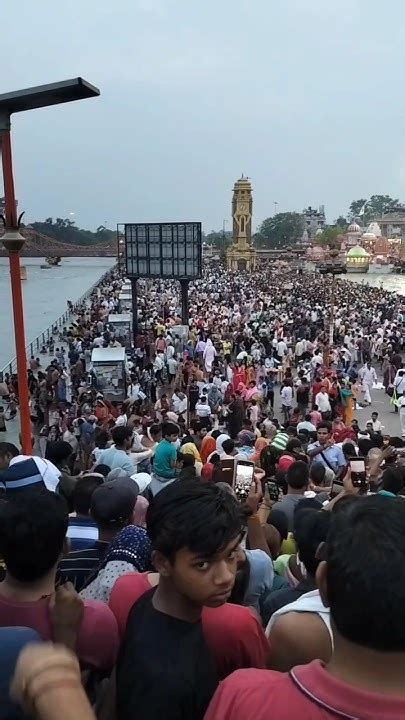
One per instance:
(356, 207)
(329, 235)
(341, 222)
(65, 231)
(281, 230)
(374, 208)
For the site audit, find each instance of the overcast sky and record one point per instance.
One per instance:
(304, 96)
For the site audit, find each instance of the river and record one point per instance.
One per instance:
(45, 293)
(392, 282)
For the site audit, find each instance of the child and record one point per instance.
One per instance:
(165, 668)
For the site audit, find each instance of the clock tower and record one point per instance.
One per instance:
(241, 255)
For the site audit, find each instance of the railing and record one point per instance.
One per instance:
(35, 345)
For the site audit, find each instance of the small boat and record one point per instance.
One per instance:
(51, 262)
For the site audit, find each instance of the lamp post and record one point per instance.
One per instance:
(10, 103)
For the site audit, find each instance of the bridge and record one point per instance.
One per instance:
(39, 245)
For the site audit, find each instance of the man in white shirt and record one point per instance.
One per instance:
(203, 411)
(377, 425)
(323, 403)
(368, 377)
(282, 348)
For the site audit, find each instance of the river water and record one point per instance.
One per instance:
(45, 293)
(392, 282)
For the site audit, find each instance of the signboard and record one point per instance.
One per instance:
(163, 250)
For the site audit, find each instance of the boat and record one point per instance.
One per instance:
(51, 262)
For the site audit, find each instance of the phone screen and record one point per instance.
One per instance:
(273, 491)
(358, 466)
(244, 478)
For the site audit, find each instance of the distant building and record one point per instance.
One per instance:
(314, 220)
(392, 223)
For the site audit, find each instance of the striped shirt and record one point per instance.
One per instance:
(82, 532)
(79, 565)
(280, 441)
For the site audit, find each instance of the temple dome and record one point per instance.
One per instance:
(357, 251)
(354, 228)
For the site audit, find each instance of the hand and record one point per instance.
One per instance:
(36, 660)
(348, 485)
(66, 610)
(255, 495)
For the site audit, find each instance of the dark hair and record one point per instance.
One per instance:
(293, 444)
(325, 425)
(102, 469)
(298, 475)
(199, 517)
(169, 428)
(82, 492)
(57, 451)
(155, 429)
(317, 473)
(393, 479)
(365, 557)
(7, 448)
(120, 434)
(32, 531)
(228, 445)
(311, 528)
(348, 449)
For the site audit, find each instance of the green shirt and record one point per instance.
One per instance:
(165, 455)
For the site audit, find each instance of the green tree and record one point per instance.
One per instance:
(376, 206)
(355, 207)
(341, 222)
(281, 230)
(220, 240)
(329, 235)
(66, 231)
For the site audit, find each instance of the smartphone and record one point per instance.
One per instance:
(228, 471)
(358, 471)
(243, 478)
(273, 490)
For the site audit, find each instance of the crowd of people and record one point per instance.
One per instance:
(226, 542)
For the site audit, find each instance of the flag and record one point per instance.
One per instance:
(363, 209)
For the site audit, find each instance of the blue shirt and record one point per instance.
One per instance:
(115, 458)
(334, 456)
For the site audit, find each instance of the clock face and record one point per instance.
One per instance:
(242, 207)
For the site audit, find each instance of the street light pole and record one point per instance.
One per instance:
(13, 241)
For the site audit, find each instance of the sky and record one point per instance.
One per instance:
(303, 96)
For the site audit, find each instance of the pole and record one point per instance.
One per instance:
(134, 309)
(184, 301)
(13, 242)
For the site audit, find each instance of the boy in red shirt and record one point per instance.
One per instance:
(363, 583)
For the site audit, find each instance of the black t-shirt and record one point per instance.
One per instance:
(164, 670)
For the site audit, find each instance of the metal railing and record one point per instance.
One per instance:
(35, 345)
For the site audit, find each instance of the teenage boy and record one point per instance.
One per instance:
(364, 571)
(165, 460)
(165, 668)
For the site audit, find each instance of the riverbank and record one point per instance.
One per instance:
(45, 294)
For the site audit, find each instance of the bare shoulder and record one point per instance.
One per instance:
(298, 638)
